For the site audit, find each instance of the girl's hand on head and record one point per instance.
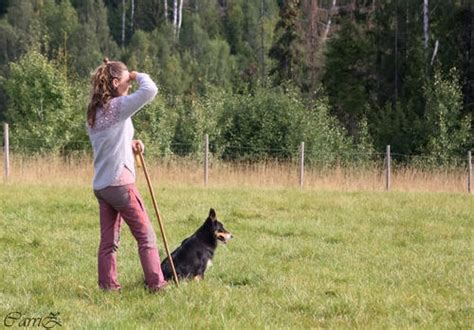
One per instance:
(138, 146)
(133, 75)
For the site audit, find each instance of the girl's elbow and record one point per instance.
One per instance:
(154, 90)
(151, 93)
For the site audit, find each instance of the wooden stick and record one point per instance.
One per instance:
(302, 164)
(388, 176)
(469, 172)
(6, 151)
(157, 212)
(206, 159)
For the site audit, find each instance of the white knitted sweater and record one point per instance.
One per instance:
(112, 135)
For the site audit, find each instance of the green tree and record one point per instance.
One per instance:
(22, 31)
(148, 15)
(398, 126)
(286, 50)
(9, 43)
(61, 22)
(3, 7)
(218, 63)
(271, 123)
(209, 13)
(93, 15)
(43, 106)
(190, 127)
(348, 76)
(155, 126)
(142, 53)
(450, 134)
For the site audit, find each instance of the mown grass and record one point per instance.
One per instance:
(300, 258)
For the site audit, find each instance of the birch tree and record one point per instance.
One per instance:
(425, 23)
(328, 24)
(175, 16)
(180, 15)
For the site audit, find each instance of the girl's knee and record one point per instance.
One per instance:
(148, 243)
(108, 247)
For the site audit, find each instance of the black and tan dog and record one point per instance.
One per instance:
(194, 255)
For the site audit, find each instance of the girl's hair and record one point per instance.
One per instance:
(103, 89)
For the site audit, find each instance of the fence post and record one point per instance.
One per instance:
(6, 151)
(302, 164)
(388, 179)
(469, 172)
(206, 159)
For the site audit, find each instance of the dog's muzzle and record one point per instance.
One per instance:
(224, 237)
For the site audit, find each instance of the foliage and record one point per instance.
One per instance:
(449, 132)
(43, 115)
(348, 75)
(271, 123)
(285, 50)
(369, 68)
(154, 125)
(197, 117)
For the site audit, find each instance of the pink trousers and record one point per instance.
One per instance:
(124, 203)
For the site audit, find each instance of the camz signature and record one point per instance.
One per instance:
(20, 320)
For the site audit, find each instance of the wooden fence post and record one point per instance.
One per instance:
(206, 159)
(302, 165)
(388, 170)
(469, 172)
(6, 151)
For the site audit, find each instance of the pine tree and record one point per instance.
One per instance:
(348, 76)
(285, 50)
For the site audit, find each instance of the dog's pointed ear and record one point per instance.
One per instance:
(212, 215)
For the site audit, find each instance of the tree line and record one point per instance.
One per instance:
(345, 76)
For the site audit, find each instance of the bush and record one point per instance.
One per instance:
(271, 123)
(155, 125)
(449, 132)
(43, 107)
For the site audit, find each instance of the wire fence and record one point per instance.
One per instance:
(31, 146)
(294, 166)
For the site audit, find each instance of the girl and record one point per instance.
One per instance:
(111, 131)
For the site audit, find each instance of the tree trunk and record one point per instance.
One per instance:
(175, 16)
(435, 51)
(165, 10)
(425, 22)
(396, 55)
(123, 23)
(180, 15)
(262, 43)
(132, 13)
(328, 25)
(312, 42)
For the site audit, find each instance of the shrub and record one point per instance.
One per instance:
(42, 109)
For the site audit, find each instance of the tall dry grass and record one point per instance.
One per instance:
(78, 170)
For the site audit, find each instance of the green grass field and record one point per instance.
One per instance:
(300, 258)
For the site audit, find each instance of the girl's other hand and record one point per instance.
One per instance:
(138, 146)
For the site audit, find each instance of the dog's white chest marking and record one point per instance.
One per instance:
(209, 264)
